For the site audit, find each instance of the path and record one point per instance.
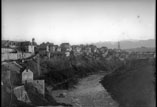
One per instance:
(88, 93)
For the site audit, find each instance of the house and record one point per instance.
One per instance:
(11, 44)
(27, 76)
(65, 47)
(11, 72)
(14, 50)
(67, 53)
(7, 50)
(21, 94)
(15, 56)
(31, 49)
(76, 48)
(53, 48)
(58, 49)
(47, 48)
(93, 48)
(32, 46)
(42, 47)
(16, 44)
(9, 56)
(23, 46)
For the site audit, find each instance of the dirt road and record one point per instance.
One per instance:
(88, 93)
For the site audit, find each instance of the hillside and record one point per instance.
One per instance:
(141, 49)
(127, 44)
(132, 85)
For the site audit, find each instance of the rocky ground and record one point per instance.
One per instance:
(88, 93)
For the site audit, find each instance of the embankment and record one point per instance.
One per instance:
(133, 84)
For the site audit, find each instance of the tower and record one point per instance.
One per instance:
(118, 45)
(33, 41)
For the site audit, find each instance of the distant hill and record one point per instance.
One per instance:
(128, 44)
(141, 49)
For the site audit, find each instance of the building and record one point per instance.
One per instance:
(47, 48)
(31, 49)
(11, 73)
(7, 50)
(11, 44)
(53, 48)
(76, 48)
(32, 46)
(27, 76)
(21, 94)
(67, 53)
(65, 47)
(58, 49)
(14, 50)
(15, 56)
(42, 47)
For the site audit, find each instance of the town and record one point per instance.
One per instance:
(78, 53)
(14, 50)
(16, 56)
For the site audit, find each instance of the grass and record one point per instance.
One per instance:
(132, 85)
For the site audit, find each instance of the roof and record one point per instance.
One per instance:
(64, 44)
(12, 66)
(7, 43)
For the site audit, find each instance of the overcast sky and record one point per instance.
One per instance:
(78, 22)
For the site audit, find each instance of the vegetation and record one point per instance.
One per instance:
(64, 72)
(132, 84)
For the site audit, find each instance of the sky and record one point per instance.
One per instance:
(78, 21)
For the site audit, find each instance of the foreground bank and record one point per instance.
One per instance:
(133, 85)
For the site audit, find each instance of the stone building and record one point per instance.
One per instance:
(21, 94)
(11, 73)
(27, 76)
(65, 47)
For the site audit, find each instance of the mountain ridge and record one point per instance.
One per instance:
(127, 44)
